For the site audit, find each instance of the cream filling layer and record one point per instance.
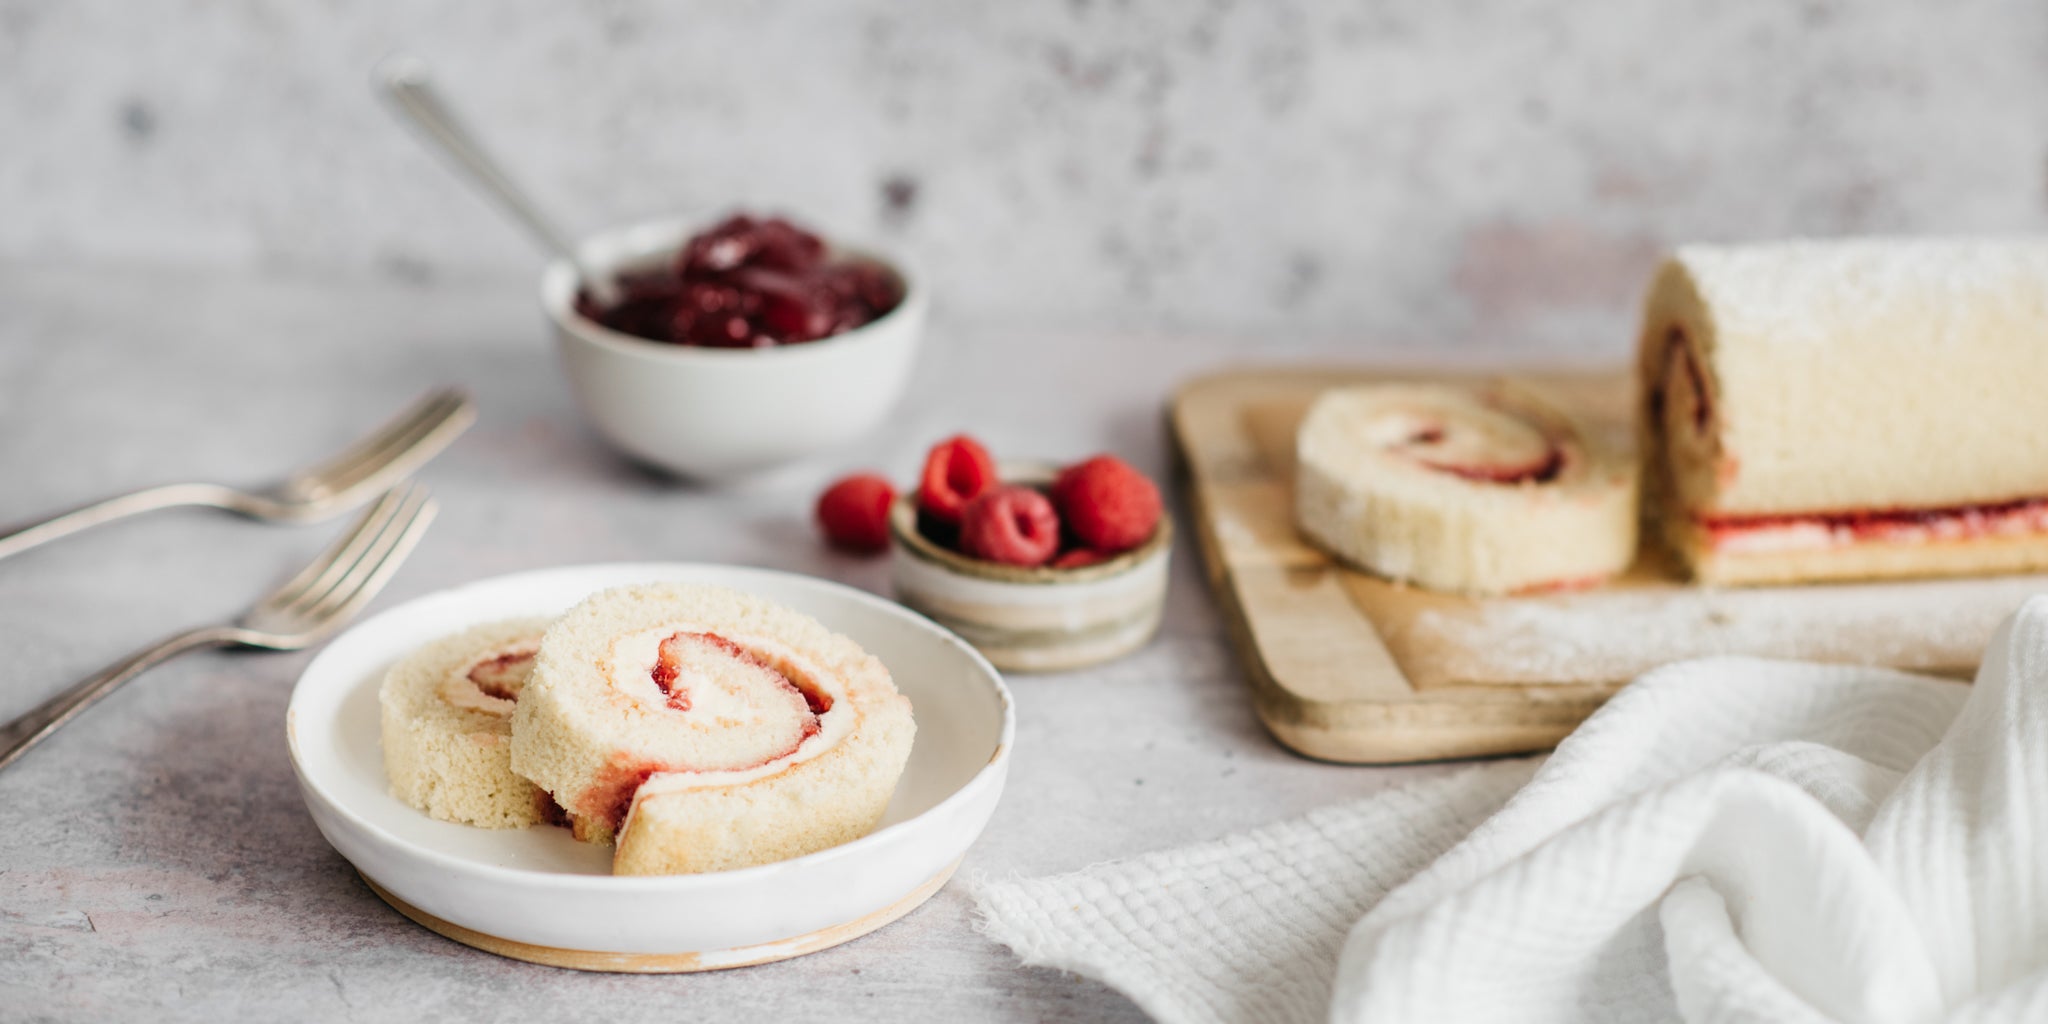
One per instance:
(633, 658)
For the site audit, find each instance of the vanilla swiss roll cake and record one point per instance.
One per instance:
(1478, 490)
(707, 729)
(1837, 410)
(447, 726)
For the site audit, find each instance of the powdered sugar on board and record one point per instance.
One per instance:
(1612, 636)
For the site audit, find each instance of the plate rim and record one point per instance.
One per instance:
(991, 773)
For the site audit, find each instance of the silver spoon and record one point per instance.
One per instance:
(404, 79)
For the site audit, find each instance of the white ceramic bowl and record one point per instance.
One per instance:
(536, 894)
(711, 413)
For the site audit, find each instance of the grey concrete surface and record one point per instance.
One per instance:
(155, 859)
(1409, 169)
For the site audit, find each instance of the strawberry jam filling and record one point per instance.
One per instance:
(1680, 379)
(668, 669)
(614, 790)
(503, 676)
(551, 813)
(1539, 472)
(1563, 586)
(668, 673)
(1485, 438)
(748, 711)
(1496, 448)
(1823, 529)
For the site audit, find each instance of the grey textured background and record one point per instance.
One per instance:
(218, 257)
(1411, 172)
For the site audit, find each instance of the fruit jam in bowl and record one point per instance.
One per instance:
(737, 348)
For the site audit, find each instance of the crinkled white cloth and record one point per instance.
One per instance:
(1727, 840)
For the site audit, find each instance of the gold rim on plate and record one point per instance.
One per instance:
(669, 963)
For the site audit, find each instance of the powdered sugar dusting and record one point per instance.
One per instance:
(1612, 636)
(1810, 291)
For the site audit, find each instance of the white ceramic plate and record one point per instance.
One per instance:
(537, 894)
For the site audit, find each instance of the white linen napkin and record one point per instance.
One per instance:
(1727, 840)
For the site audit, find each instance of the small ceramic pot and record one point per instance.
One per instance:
(1033, 620)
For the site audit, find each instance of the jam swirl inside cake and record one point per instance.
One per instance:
(698, 728)
(1474, 441)
(492, 684)
(745, 710)
(503, 676)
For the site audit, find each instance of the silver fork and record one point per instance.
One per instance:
(321, 491)
(305, 609)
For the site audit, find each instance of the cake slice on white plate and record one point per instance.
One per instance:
(703, 729)
(446, 717)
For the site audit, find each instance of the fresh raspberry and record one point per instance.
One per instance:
(854, 513)
(1107, 505)
(1011, 525)
(957, 471)
(1080, 558)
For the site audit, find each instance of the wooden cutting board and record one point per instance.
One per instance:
(1345, 666)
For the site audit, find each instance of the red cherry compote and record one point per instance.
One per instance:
(749, 283)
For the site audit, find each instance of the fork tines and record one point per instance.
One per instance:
(355, 568)
(392, 451)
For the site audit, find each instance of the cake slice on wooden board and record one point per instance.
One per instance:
(703, 729)
(1823, 410)
(446, 717)
(1489, 489)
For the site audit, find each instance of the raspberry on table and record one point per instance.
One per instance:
(1108, 505)
(1011, 525)
(956, 471)
(854, 513)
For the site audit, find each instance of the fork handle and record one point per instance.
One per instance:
(19, 735)
(21, 537)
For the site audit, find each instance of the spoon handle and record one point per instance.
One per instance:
(405, 80)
